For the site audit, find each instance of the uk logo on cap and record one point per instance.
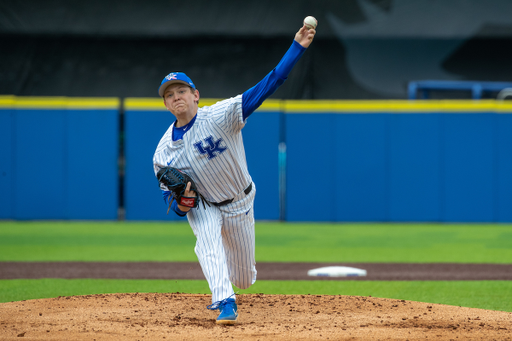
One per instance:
(171, 76)
(174, 77)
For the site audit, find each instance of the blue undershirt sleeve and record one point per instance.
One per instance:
(254, 97)
(167, 197)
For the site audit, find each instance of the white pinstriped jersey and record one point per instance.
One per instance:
(211, 152)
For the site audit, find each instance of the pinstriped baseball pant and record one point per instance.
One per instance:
(225, 245)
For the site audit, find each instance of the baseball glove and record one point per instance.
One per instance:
(176, 181)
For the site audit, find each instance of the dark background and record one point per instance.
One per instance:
(364, 49)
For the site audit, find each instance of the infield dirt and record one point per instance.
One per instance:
(149, 316)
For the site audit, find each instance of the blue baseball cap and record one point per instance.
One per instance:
(174, 77)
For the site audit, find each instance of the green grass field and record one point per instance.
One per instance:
(275, 242)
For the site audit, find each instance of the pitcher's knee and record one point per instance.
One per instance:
(242, 284)
(245, 281)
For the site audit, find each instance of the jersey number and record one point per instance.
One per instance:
(212, 148)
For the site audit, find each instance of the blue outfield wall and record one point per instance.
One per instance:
(6, 162)
(422, 162)
(146, 121)
(142, 195)
(396, 161)
(414, 174)
(261, 136)
(61, 158)
(504, 168)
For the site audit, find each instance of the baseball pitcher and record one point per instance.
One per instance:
(201, 167)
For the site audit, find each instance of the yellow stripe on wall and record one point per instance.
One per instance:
(398, 106)
(94, 103)
(347, 106)
(144, 104)
(287, 106)
(157, 104)
(15, 102)
(7, 101)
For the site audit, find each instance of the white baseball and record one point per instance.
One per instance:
(310, 22)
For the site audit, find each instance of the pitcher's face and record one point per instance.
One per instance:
(181, 99)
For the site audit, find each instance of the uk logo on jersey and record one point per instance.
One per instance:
(212, 147)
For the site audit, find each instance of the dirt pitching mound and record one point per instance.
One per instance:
(149, 316)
